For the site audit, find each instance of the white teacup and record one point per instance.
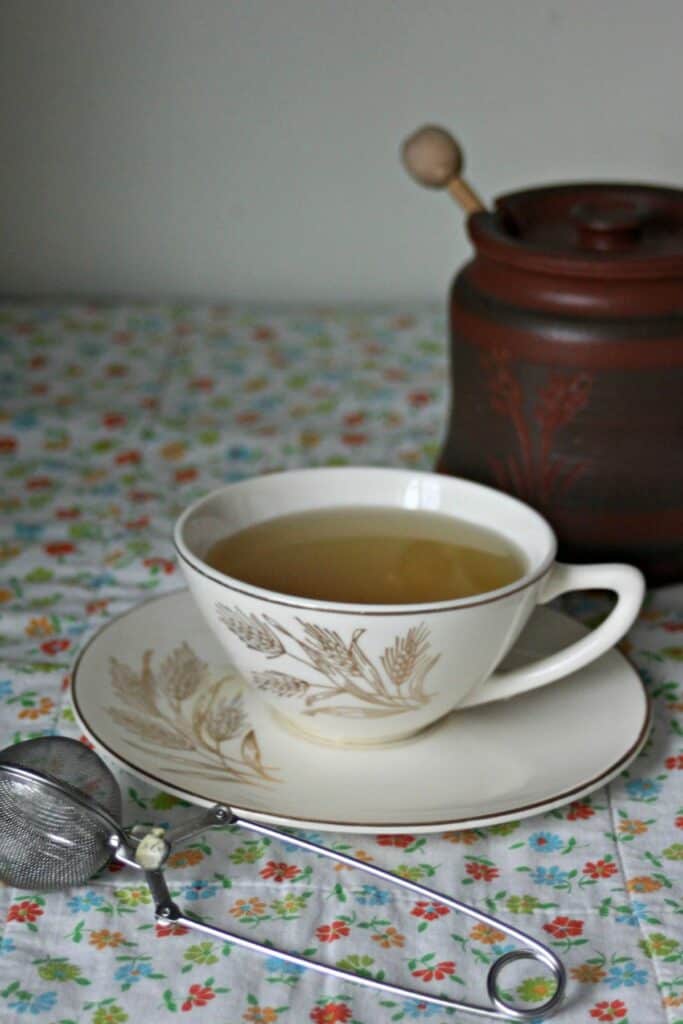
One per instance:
(289, 647)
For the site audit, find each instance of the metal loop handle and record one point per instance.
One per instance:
(501, 1009)
(550, 1005)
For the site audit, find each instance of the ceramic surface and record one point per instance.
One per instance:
(366, 674)
(153, 691)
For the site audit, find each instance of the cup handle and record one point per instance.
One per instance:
(628, 584)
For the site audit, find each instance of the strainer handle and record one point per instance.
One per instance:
(168, 911)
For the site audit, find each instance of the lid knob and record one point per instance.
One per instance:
(606, 223)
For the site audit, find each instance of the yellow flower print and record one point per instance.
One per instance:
(260, 1015)
(174, 450)
(487, 934)
(643, 883)
(253, 907)
(389, 937)
(466, 837)
(632, 827)
(40, 626)
(588, 974)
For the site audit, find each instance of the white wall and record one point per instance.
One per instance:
(217, 148)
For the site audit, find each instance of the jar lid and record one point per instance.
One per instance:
(587, 229)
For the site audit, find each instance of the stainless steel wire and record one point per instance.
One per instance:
(60, 810)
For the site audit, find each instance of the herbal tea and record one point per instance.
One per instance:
(369, 556)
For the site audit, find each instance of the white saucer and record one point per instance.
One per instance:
(153, 691)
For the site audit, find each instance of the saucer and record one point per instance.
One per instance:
(154, 692)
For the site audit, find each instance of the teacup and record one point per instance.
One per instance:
(288, 647)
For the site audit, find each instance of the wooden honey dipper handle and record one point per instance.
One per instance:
(434, 159)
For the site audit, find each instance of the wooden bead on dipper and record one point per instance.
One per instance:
(434, 159)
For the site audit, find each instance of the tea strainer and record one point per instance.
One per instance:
(60, 810)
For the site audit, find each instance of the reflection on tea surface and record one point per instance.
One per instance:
(366, 555)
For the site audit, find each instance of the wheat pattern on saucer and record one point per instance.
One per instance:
(199, 723)
(337, 668)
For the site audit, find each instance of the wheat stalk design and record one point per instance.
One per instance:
(399, 661)
(257, 635)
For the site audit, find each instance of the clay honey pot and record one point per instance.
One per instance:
(566, 356)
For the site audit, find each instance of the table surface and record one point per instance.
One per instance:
(113, 417)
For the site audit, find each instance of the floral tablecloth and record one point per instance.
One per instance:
(112, 418)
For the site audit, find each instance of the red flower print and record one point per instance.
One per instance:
(72, 512)
(679, 821)
(579, 810)
(39, 483)
(428, 910)
(198, 995)
(160, 563)
(354, 419)
(59, 547)
(116, 370)
(111, 420)
(673, 763)
(247, 417)
(93, 607)
(141, 495)
(609, 1011)
(481, 872)
(122, 337)
(130, 457)
(163, 931)
(673, 627)
(332, 1013)
(354, 439)
(39, 389)
(186, 475)
(37, 362)
(279, 872)
(55, 646)
(8, 445)
(138, 524)
(442, 970)
(564, 927)
(418, 398)
(264, 334)
(600, 869)
(26, 911)
(398, 840)
(332, 932)
(201, 384)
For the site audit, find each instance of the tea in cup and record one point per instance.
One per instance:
(364, 604)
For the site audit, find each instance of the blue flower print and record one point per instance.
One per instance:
(643, 789)
(89, 900)
(625, 974)
(26, 1003)
(103, 580)
(420, 1011)
(546, 842)
(278, 966)
(199, 890)
(372, 896)
(130, 973)
(7, 946)
(5, 688)
(638, 912)
(548, 876)
(27, 531)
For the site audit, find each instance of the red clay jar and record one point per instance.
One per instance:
(567, 367)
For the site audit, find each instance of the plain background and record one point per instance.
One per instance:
(248, 150)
